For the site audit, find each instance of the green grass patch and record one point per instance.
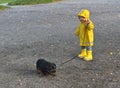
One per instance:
(4, 1)
(30, 2)
(3, 7)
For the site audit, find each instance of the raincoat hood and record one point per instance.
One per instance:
(85, 13)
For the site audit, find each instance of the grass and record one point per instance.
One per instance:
(23, 2)
(3, 7)
(29, 2)
(4, 1)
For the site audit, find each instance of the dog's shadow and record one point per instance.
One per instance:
(29, 73)
(23, 71)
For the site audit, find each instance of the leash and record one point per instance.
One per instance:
(67, 61)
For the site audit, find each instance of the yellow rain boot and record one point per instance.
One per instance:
(88, 57)
(83, 53)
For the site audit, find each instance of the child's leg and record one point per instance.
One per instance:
(89, 48)
(83, 47)
(83, 52)
(89, 53)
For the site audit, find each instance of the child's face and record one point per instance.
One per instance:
(82, 19)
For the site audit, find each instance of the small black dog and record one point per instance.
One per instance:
(45, 67)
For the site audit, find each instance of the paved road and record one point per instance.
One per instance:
(47, 31)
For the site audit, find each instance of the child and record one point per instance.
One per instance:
(85, 32)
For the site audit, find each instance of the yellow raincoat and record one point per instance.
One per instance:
(84, 31)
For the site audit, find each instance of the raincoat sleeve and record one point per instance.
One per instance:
(91, 26)
(77, 32)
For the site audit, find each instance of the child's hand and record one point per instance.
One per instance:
(87, 22)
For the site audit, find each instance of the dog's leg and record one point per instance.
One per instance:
(38, 71)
